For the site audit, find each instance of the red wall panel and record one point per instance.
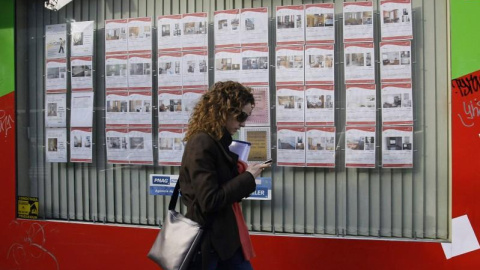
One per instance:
(28, 244)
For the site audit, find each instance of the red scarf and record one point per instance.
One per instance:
(245, 241)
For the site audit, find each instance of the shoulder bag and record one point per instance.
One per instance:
(178, 239)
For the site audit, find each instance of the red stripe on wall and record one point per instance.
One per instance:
(9, 237)
(7, 156)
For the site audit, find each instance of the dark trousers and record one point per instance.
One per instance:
(236, 262)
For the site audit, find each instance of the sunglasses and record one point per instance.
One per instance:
(242, 117)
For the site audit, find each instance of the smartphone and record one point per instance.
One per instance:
(268, 161)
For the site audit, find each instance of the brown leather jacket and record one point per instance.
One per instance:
(209, 177)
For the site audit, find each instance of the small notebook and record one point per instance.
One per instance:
(241, 148)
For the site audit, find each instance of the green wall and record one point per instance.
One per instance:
(465, 36)
(7, 55)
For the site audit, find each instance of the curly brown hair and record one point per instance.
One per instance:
(212, 110)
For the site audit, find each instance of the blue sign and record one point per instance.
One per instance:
(161, 180)
(161, 190)
(263, 190)
(162, 184)
(260, 192)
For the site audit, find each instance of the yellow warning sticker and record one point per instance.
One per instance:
(27, 207)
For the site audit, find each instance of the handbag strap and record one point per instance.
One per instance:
(174, 198)
(173, 203)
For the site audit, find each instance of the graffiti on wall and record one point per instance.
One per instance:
(6, 123)
(467, 90)
(30, 249)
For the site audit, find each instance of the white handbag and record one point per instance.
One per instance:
(178, 239)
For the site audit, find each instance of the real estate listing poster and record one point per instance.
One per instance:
(170, 146)
(361, 106)
(195, 69)
(140, 148)
(140, 71)
(360, 147)
(117, 146)
(170, 110)
(396, 19)
(140, 108)
(116, 40)
(290, 61)
(291, 146)
(116, 108)
(320, 150)
(169, 70)
(56, 79)
(320, 23)
(290, 25)
(56, 110)
(261, 113)
(81, 109)
(227, 28)
(169, 34)
(82, 38)
(397, 104)
(195, 31)
(259, 137)
(359, 63)
(397, 147)
(56, 144)
(255, 68)
(290, 107)
(56, 41)
(82, 78)
(254, 27)
(116, 72)
(129, 146)
(227, 64)
(319, 64)
(358, 21)
(190, 98)
(396, 64)
(81, 145)
(320, 105)
(140, 35)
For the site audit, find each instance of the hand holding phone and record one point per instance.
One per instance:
(256, 169)
(267, 161)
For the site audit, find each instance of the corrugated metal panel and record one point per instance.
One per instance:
(406, 203)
